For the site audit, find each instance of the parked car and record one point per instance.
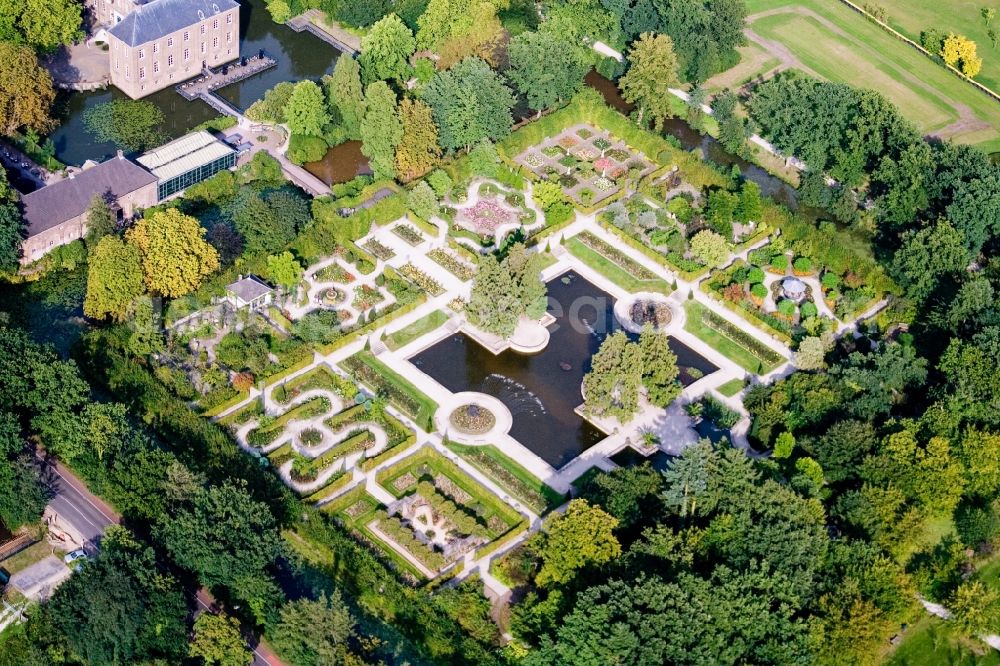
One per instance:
(75, 556)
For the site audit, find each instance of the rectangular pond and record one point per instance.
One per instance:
(543, 390)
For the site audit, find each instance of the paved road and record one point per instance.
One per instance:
(262, 653)
(77, 505)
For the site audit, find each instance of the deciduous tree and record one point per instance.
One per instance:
(284, 269)
(710, 248)
(175, 256)
(652, 72)
(470, 103)
(26, 92)
(381, 129)
(418, 150)
(345, 93)
(218, 642)
(315, 632)
(545, 68)
(386, 51)
(114, 279)
(581, 537)
(306, 112)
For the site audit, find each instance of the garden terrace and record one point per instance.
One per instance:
(616, 266)
(662, 231)
(590, 165)
(398, 391)
(421, 279)
(729, 340)
(510, 476)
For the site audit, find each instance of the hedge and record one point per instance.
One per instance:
(229, 404)
(336, 483)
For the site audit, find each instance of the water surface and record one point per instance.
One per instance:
(543, 390)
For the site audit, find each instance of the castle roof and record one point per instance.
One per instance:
(160, 18)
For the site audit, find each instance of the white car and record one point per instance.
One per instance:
(75, 556)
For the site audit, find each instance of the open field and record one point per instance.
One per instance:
(930, 641)
(754, 62)
(829, 40)
(962, 17)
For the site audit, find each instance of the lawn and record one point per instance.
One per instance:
(613, 271)
(930, 642)
(962, 17)
(30, 555)
(754, 62)
(510, 476)
(731, 388)
(840, 45)
(412, 331)
(719, 342)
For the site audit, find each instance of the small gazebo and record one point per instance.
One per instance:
(793, 289)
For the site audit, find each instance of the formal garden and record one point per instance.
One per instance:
(589, 164)
(438, 513)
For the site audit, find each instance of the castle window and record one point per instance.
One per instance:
(142, 53)
(156, 67)
(215, 42)
(215, 24)
(170, 60)
(229, 37)
(203, 28)
(203, 47)
(156, 47)
(170, 42)
(229, 18)
(187, 54)
(187, 35)
(142, 72)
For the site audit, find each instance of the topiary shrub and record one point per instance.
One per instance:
(779, 262)
(829, 280)
(755, 275)
(802, 265)
(808, 309)
(758, 291)
(786, 307)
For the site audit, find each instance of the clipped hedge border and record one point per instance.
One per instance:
(740, 337)
(334, 485)
(229, 404)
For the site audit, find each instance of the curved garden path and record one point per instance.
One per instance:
(316, 288)
(331, 438)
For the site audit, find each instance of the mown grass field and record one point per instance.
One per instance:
(838, 44)
(962, 17)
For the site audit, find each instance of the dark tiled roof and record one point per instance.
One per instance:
(71, 197)
(160, 18)
(248, 288)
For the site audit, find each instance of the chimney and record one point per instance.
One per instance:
(121, 155)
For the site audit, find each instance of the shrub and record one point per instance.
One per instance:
(786, 307)
(829, 280)
(758, 290)
(779, 262)
(755, 275)
(303, 148)
(440, 182)
(242, 381)
(808, 309)
(802, 265)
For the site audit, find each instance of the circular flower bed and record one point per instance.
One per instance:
(485, 217)
(472, 419)
(650, 312)
(310, 437)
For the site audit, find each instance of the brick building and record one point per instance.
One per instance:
(57, 214)
(164, 42)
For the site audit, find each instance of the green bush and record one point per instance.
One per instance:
(755, 275)
(829, 280)
(779, 262)
(303, 148)
(808, 309)
(786, 307)
(802, 265)
(758, 290)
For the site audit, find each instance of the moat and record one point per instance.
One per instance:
(542, 390)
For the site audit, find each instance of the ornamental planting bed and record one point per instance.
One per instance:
(421, 279)
(452, 264)
(408, 233)
(590, 164)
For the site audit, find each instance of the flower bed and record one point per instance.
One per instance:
(567, 141)
(505, 478)
(452, 264)
(553, 152)
(357, 440)
(533, 160)
(310, 437)
(604, 184)
(459, 515)
(485, 217)
(645, 312)
(472, 419)
(378, 250)
(601, 143)
(586, 153)
(333, 296)
(334, 273)
(270, 429)
(366, 297)
(603, 163)
(408, 233)
(400, 392)
(613, 254)
(740, 337)
(421, 279)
